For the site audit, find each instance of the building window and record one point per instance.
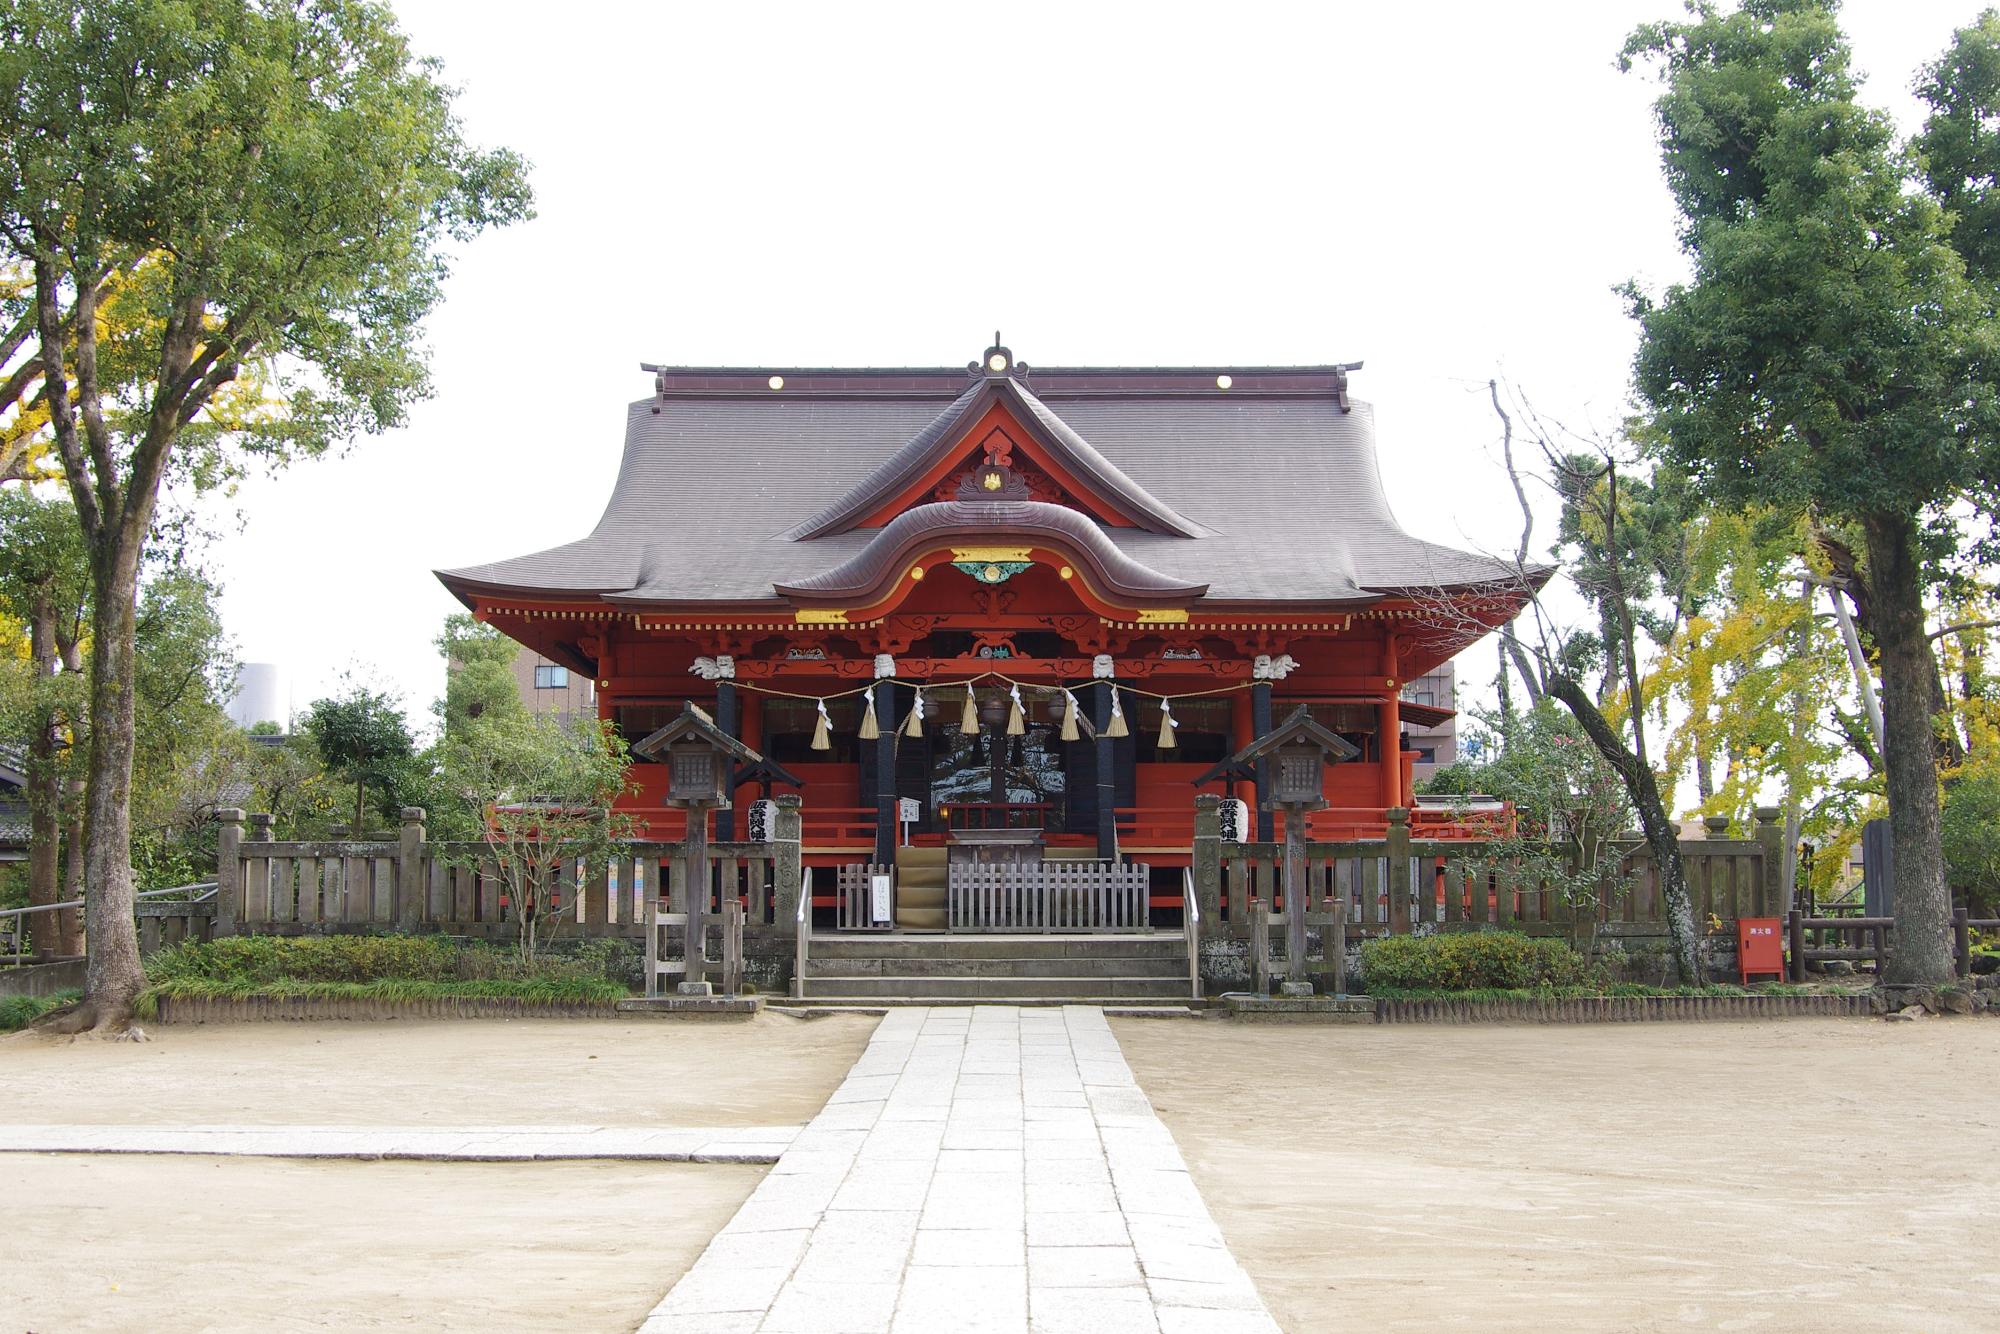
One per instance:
(551, 678)
(1427, 755)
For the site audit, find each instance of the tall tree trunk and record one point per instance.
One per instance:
(70, 920)
(360, 807)
(44, 791)
(1922, 953)
(113, 975)
(1503, 684)
(1662, 838)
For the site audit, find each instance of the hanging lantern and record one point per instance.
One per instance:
(1116, 727)
(916, 724)
(1017, 718)
(870, 729)
(1069, 729)
(823, 729)
(968, 718)
(1167, 725)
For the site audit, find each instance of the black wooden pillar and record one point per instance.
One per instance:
(726, 719)
(885, 773)
(1260, 726)
(1107, 778)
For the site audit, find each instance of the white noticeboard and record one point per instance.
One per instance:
(910, 809)
(880, 909)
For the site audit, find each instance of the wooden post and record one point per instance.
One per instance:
(725, 720)
(1260, 727)
(1795, 929)
(1770, 836)
(1397, 850)
(1104, 766)
(1297, 897)
(229, 900)
(1208, 858)
(1390, 726)
(694, 982)
(1333, 937)
(1961, 942)
(412, 873)
(885, 773)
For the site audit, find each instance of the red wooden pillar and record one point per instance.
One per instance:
(1389, 742)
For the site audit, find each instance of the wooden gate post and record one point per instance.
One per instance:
(694, 981)
(1397, 849)
(229, 900)
(412, 871)
(1260, 948)
(1296, 897)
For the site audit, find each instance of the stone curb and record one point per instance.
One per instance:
(265, 1009)
(1620, 1009)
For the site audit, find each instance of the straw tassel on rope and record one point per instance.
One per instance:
(968, 718)
(1116, 727)
(870, 729)
(822, 728)
(916, 724)
(1069, 729)
(1017, 718)
(1167, 725)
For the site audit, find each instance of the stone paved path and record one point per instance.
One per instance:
(980, 1169)
(733, 1144)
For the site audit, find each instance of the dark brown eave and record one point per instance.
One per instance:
(948, 382)
(870, 575)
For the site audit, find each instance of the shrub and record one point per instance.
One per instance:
(20, 1011)
(1473, 961)
(259, 959)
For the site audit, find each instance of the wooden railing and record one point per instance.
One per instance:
(838, 827)
(997, 814)
(1866, 939)
(165, 917)
(1047, 896)
(1191, 928)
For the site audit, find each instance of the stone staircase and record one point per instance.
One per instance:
(939, 969)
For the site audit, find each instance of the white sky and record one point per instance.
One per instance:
(1445, 191)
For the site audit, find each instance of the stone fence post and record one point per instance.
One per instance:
(1397, 850)
(1208, 862)
(412, 871)
(1770, 836)
(786, 873)
(228, 870)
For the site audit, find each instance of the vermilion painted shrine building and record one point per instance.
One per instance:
(779, 538)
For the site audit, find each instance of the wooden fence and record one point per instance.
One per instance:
(1047, 896)
(267, 887)
(1866, 940)
(1400, 883)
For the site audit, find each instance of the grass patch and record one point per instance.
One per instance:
(394, 990)
(17, 1012)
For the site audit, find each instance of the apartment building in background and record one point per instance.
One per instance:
(550, 687)
(1435, 746)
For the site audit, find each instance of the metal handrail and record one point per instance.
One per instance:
(802, 929)
(1191, 928)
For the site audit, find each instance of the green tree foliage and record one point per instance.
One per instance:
(1832, 355)
(479, 675)
(362, 736)
(278, 184)
(1971, 834)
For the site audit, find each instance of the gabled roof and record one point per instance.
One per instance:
(1275, 475)
(945, 437)
(1299, 727)
(695, 722)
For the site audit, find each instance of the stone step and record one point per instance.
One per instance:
(909, 857)
(996, 945)
(954, 989)
(1113, 1006)
(1031, 966)
(920, 919)
(920, 896)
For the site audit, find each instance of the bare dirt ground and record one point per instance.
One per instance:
(1796, 1175)
(771, 1070)
(247, 1244)
(213, 1244)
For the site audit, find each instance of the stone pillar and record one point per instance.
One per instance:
(1105, 767)
(1398, 852)
(412, 872)
(786, 875)
(1296, 982)
(694, 981)
(1208, 861)
(228, 870)
(1770, 836)
(726, 720)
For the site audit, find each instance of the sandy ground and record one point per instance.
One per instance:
(239, 1244)
(209, 1244)
(771, 1070)
(1799, 1175)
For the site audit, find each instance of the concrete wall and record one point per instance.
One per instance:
(41, 979)
(578, 697)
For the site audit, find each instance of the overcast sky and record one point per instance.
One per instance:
(1444, 191)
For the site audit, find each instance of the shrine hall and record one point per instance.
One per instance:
(1002, 610)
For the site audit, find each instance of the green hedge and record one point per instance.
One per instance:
(260, 959)
(1473, 961)
(20, 1011)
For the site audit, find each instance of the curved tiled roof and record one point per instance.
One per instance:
(1276, 476)
(868, 574)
